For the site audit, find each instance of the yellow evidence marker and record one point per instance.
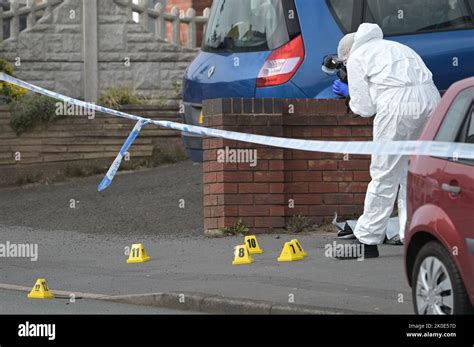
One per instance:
(289, 253)
(299, 247)
(138, 254)
(40, 290)
(252, 244)
(242, 255)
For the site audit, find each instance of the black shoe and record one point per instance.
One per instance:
(347, 233)
(394, 241)
(357, 250)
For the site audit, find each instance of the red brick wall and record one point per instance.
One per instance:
(198, 5)
(319, 183)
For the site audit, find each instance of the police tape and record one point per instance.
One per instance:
(426, 148)
(109, 176)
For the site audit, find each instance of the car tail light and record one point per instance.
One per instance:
(282, 64)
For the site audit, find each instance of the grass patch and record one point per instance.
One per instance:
(168, 155)
(118, 96)
(239, 228)
(75, 171)
(299, 224)
(24, 180)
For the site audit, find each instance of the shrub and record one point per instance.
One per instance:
(29, 110)
(9, 92)
(6, 67)
(119, 96)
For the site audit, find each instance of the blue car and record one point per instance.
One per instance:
(275, 48)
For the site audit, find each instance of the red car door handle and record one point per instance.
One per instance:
(451, 189)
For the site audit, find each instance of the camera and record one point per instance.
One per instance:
(332, 65)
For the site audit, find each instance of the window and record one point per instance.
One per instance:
(397, 17)
(467, 133)
(250, 25)
(453, 122)
(343, 12)
(458, 123)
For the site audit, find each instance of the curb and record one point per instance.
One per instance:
(78, 295)
(196, 302)
(220, 305)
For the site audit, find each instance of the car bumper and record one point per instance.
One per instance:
(192, 142)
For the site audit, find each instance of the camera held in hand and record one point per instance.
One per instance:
(332, 65)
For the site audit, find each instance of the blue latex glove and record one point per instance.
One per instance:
(340, 88)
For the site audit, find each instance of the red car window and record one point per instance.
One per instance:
(454, 119)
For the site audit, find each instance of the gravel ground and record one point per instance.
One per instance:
(147, 201)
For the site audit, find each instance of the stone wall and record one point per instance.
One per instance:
(318, 184)
(51, 54)
(156, 68)
(81, 144)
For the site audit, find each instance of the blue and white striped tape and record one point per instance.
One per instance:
(428, 148)
(109, 176)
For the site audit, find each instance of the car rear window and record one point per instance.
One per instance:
(397, 17)
(468, 136)
(342, 11)
(251, 25)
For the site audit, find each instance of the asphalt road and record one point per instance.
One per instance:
(144, 203)
(82, 249)
(13, 302)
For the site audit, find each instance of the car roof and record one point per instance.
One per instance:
(461, 85)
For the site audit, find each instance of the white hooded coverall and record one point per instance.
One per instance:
(391, 81)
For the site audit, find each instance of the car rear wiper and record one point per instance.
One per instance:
(227, 44)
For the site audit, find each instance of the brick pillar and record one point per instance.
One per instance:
(320, 184)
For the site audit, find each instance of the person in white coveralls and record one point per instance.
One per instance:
(390, 81)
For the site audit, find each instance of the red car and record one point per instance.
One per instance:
(439, 245)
